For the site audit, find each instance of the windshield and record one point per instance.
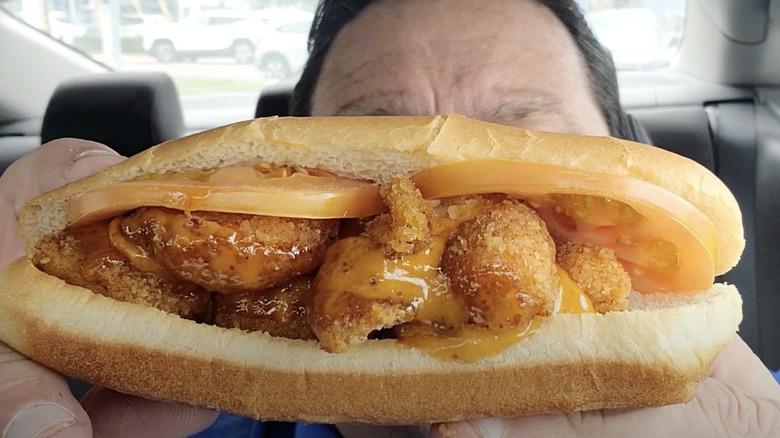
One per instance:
(222, 53)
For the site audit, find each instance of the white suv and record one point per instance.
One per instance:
(281, 49)
(210, 33)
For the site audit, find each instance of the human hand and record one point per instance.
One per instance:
(738, 398)
(35, 401)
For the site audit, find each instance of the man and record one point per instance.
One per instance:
(506, 61)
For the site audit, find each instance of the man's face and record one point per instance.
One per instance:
(504, 61)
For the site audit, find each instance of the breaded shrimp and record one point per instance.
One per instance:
(407, 226)
(83, 256)
(230, 253)
(501, 262)
(280, 311)
(598, 273)
(372, 281)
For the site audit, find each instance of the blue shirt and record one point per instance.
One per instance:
(231, 426)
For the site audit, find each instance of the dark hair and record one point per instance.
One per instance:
(333, 15)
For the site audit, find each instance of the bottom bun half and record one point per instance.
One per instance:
(654, 354)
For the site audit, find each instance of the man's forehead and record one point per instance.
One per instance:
(505, 69)
(393, 30)
(377, 45)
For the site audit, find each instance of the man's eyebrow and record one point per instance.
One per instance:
(519, 103)
(385, 103)
(508, 104)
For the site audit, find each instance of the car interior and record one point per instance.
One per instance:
(717, 102)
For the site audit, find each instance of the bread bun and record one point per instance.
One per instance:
(655, 353)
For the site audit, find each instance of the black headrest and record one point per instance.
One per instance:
(275, 100)
(127, 111)
(636, 132)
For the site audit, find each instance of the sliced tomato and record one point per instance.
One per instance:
(664, 242)
(234, 190)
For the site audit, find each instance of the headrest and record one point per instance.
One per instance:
(127, 111)
(636, 132)
(275, 100)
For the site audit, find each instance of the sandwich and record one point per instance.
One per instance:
(384, 270)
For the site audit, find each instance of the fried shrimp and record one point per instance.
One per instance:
(356, 293)
(407, 227)
(359, 289)
(224, 252)
(598, 273)
(84, 256)
(280, 311)
(501, 262)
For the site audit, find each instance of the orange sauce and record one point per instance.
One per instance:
(364, 270)
(361, 267)
(469, 343)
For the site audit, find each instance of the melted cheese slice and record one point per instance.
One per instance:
(242, 189)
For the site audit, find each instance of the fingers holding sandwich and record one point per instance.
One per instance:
(36, 401)
(118, 415)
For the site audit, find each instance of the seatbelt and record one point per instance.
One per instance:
(732, 127)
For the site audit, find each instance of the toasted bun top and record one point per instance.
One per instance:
(379, 148)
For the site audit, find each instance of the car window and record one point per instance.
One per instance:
(299, 27)
(641, 35)
(222, 57)
(210, 49)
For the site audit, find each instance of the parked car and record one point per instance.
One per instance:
(63, 29)
(281, 50)
(211, 33)
(133, 24)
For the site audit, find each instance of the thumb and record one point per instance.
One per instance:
(46, 168)
(36, 402)
(61, 161)
(118, 415)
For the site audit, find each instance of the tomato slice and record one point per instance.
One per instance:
(663, 241)
(234, 190)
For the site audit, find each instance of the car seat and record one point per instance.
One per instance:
(127, 111)
(746, 142)
(275, 100)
